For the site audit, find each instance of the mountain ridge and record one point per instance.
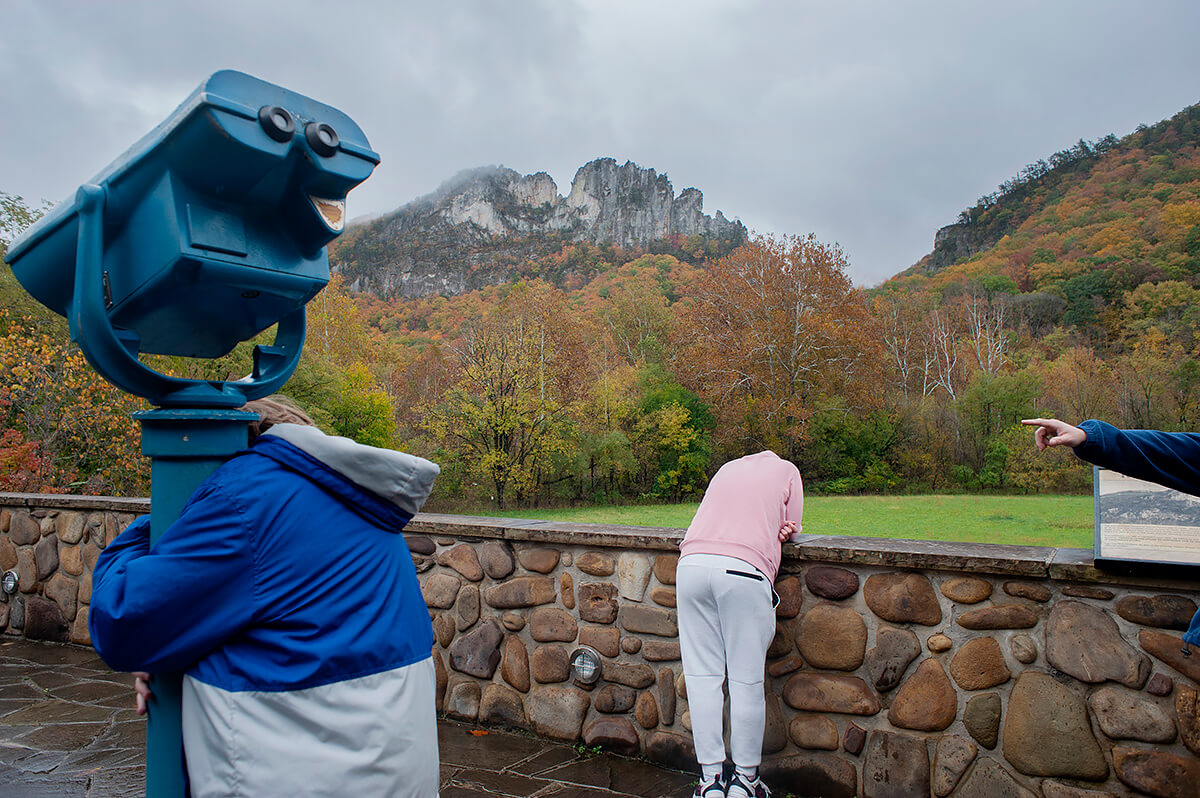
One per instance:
(479, 227)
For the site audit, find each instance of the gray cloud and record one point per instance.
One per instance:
(870, 124)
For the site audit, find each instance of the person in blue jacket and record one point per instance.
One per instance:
(287, 596)
(1168, 458)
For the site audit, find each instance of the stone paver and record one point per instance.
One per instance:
(67, 728)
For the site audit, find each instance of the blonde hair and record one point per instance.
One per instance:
(275, 410)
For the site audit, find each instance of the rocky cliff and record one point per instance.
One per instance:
(479, 226)
(953, 243)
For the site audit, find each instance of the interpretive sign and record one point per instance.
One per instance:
(1138, 521)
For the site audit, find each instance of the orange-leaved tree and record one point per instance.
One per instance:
(776, 333)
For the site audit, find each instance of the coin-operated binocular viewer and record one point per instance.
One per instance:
(208, 231)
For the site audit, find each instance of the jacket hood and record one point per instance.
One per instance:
(385, 484)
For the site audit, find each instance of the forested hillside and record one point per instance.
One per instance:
(1080, 301)
(616, 366)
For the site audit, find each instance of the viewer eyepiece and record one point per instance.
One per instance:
(277, 122)
(322, 138)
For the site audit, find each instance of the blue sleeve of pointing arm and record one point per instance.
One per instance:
(1168, 458)
(1192, 635)
(163, 609)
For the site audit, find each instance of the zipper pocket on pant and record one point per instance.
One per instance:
(743, 573)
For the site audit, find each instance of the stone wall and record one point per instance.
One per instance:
(899, 668)
(52, 542)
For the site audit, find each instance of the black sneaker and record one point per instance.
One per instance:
(710, 788)
(741, 787)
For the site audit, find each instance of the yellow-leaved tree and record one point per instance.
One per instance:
(507, 415)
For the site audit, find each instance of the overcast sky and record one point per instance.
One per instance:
(870, 124)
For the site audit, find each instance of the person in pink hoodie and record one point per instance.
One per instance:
(730, 556)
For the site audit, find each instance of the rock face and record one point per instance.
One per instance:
(649, 620)
(953, 755)
(550, 624)
(775, 737)
(819, 774)
(664, 568)
(597, 602)
(1168, 648)
(1047, 731)
(495, 558)
(1028, 590)
(1085, 642)
(633, 574)
(477, 653)
(1187, 711)
(953, 243)
(926, 701)
(596, 563)
(614, 699)
(666, 695)
(831, 583)
(616, 734)
(815, 692)
(903, 598)
(982, 719)
(515, 664)
(1158, 773)
(1165, 612)
(814, 731)
(557, 712)
(989, 780)
(44, 620)
(440, 590)
(1024, 650)
(542, 561)
(833, 637)
(966, 589)
(463, 559)
(483, 217)
(790, 597)
(1125, 715)
(604, 639)
(522, 591)
(896, 766)
(1002, 616)
(550, 664)
(894, 650)
(502, 706)
(979, 664)
(671, 749)
(636, 675)
(463, 699)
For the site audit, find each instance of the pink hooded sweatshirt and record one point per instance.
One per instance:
(746, 503)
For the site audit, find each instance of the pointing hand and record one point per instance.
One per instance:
(1052, 432)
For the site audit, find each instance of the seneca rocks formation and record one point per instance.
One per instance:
(475, 228)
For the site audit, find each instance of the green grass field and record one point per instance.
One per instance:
(1063, 521)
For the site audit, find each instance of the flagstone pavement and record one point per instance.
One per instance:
(67, 728)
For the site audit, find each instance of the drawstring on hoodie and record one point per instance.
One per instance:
(1187, 650)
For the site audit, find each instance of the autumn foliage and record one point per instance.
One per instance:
(604, 374)
(777, 334)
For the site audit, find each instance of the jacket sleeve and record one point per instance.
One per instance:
(164, 608)
(1168, 458)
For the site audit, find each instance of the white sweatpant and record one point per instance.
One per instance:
(726, 623)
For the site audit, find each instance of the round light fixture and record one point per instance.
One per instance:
(9, 582)
(585, 664)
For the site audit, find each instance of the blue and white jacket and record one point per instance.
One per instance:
(1168, 458)
(286, 594)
